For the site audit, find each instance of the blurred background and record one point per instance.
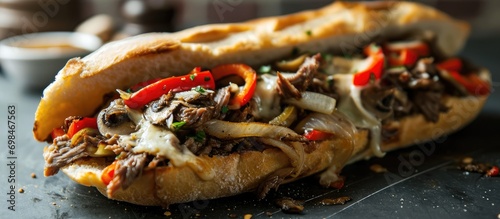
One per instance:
(137, 16)
(115, 19)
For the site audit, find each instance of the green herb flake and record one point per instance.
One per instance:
(178, 125)
(200, 136)
(198, 89)
(309, 32)
(265, 69)
(224, 109)
(192, 77)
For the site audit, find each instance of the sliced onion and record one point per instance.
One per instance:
(229, 130)
(315, 102)
(335, 123)
(286, 118)
(295, 153)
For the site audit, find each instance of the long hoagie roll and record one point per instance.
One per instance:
(320, 89)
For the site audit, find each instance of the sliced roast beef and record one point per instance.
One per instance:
(127, 170)
(290, 87)
(429, 104)
(62, 152)
(194, 116)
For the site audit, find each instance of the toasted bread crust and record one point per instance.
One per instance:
(338, 27)
(238, 173)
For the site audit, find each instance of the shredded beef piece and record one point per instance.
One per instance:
(406, 92)
(126, 171)
(292, 86)
(165, 115)
(244, 114)
(193, 145)
(194, 116)
(379, 101)
(62, 153)
(303, 78)
(221, 100)
(189, 106)
(221, 148)
(217, 147)
(324, 85)
(429, 104)
(286, 89)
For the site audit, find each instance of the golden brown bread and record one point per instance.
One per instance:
(242, 173)
(339, 27)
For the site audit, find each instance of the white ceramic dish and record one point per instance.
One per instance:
(32, 60)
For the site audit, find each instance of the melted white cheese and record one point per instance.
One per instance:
(267, 98)
(159, 141)
(351, 105)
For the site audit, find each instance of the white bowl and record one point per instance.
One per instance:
(31, 61)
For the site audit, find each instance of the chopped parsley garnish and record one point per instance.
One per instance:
(200, 136)
(224, 109)
(265, 69)
(178, 125)
(198, 89)
(308, 32)
(192, 77)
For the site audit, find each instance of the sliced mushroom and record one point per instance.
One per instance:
(115, 119)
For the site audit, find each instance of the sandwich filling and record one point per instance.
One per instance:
(292, 105)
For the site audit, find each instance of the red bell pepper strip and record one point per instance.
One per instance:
(376, 59)
(471, 82)
(108, 173)
(452, 64)
(243, 71)
(175, 84)
(405, 53)
(57, 132)
(317, 135)
(79, 124)
(140, 85)
(418, 47)
(406, 57)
